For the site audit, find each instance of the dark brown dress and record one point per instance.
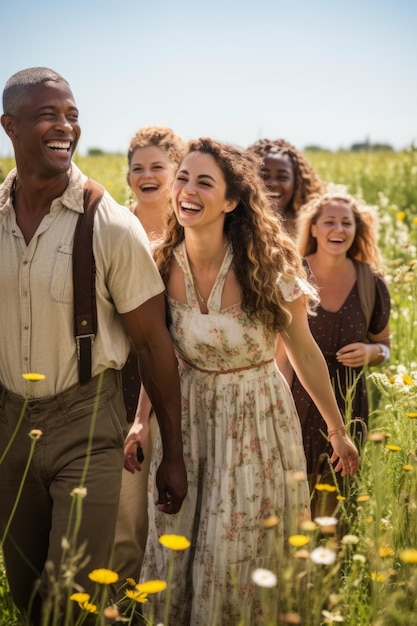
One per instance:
(332, 331)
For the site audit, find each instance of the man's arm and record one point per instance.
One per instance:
(159, 375)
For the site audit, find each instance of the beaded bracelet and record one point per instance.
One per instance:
(338, 431)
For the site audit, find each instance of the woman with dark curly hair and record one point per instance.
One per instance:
(289, 178)
(234, 280)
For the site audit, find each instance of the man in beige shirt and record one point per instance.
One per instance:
(40, 202)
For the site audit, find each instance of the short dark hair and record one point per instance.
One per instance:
(16, 90)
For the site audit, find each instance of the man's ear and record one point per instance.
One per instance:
(230, 205)
(8, 124)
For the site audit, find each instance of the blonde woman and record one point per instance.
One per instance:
(153, 157)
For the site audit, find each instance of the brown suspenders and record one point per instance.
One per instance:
(84, 278)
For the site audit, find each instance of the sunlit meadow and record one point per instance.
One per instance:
(366, 575)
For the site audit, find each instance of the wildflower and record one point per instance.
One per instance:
(363, 498)
(377, 436)
(34, 378)
(407, 380)
(407, 468)
(326, 521)
(325, 487)
(35, 433)
(323, 556)
(111, 613)
(332, 617)
(308, 525)
(264, 578)
(131, 582)
(393, 448)
(151, 586)
(271, 521)
(103, 576)
(340, 498)
(174, 542)
(411, 414)
(80, 597)
(89, 607)
(381, 577)
(137, 596)
(401, 216)
(79, 491)
(298, 540)
(302, 554)
(350, 540)
(385, 551)
(415, 221)
(409, 555)
(359, 558)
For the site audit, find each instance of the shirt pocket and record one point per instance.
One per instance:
(61, 287)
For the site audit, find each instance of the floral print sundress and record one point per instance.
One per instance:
(244, 456)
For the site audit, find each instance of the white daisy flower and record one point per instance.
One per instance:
(323, 556)
(264, 578)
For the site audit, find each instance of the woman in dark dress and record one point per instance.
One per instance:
(338, 238)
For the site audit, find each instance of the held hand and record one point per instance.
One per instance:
(346, 455)
(171, 481)
(135, 439)
(355, 354)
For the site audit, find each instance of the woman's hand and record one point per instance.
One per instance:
(345, 453)
(135, 439)
(356, 354)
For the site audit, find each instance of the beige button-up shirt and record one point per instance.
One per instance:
(36, 289)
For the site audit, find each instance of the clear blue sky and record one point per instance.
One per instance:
(327, 72)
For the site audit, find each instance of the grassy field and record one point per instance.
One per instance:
(370, 577)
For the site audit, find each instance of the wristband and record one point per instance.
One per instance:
(338, 431)
(385, 352)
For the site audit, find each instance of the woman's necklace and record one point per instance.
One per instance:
(197, 292)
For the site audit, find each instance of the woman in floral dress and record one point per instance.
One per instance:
(234, 280)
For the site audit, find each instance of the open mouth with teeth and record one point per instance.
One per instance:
(149, 187)
(336, 240)
(190, 207)
(58, 146)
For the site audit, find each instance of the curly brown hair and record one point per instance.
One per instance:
(307, 182)
(262, 250)
(161, 136)
(365, 244)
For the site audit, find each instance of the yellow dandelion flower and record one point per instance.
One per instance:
(385, 551)
(325, 487)
(411, 414)
(393, 448)
(151, 586)
(103, 576)
(131, 582)
(409, 555)
(33, 378)
(80, 597)
(174, 542)
(35, 433)
(401, 216)
(271, 522)
(392, 380)
(407, 380)
(409, 278)
(298, 540)
(340, 498)
(363, 498)
(137, 596)
(407, 468)
(88, 606)
(381, 577)
(369, 520)
(415, 221)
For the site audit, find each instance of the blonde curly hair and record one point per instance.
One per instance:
(261, 248)
(365, 244)
(161, 136)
